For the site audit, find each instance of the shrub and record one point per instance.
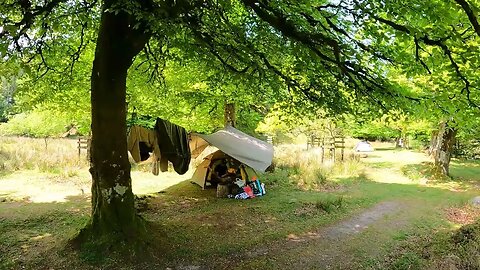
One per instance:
(37, 124)
(329, 205)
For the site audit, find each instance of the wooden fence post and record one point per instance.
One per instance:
(323, 149)
(340, 143)
(270, 139)
(83, 143)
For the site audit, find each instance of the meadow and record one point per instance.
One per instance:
(382, 211)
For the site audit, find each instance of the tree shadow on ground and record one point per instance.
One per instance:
(29, 231)
(210, 232)
(190, 227)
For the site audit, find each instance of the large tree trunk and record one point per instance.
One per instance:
(113, 211)
(441, 148)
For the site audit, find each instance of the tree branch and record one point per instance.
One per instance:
(441, 44)
(471, 15)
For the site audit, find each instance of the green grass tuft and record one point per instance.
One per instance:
(329, 205)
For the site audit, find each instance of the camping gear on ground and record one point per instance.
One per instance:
(228, 189)
(249, 191)
(207, 171)
(239, 182)
(247, 194)
(226, 184)
(256, 186)
(222, 191)
(242, 196)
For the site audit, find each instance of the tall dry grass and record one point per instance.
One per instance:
(44, 155)
(307, 170)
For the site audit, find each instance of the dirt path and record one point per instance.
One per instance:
(347, 244)
(332, 247)
(343, 245)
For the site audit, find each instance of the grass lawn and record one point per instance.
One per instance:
(367, 213)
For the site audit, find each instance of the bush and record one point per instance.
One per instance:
(37, 124)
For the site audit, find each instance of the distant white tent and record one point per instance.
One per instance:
(363, 146)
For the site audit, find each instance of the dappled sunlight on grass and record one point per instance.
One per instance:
(146, 182)
(43, 187)
(467, 171)
(30, 231)
(41, 236)
(413, 168)
(389, 177)
(399, 156)
(462, 175)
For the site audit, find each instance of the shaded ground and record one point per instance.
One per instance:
(330, 247)
(288, 228)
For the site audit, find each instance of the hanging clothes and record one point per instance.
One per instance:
(173, 144)
(141, 142)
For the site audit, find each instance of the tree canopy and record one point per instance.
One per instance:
(315, 53)
(348, 55)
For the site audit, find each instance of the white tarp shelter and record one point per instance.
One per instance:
(249, 150)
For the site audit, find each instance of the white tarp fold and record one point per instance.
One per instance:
(244, 148)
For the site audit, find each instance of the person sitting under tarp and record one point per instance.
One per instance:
(224, 177)
(220, 172)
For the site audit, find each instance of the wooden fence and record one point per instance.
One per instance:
(83, 143)
(330, 144)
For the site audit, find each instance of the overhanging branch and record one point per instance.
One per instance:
(471, 15)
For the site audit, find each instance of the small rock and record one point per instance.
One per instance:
(476, 201)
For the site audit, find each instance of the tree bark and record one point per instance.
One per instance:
(441, 148)
(229, 116)
(113, 209)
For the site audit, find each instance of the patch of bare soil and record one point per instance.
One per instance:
(463, 216)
